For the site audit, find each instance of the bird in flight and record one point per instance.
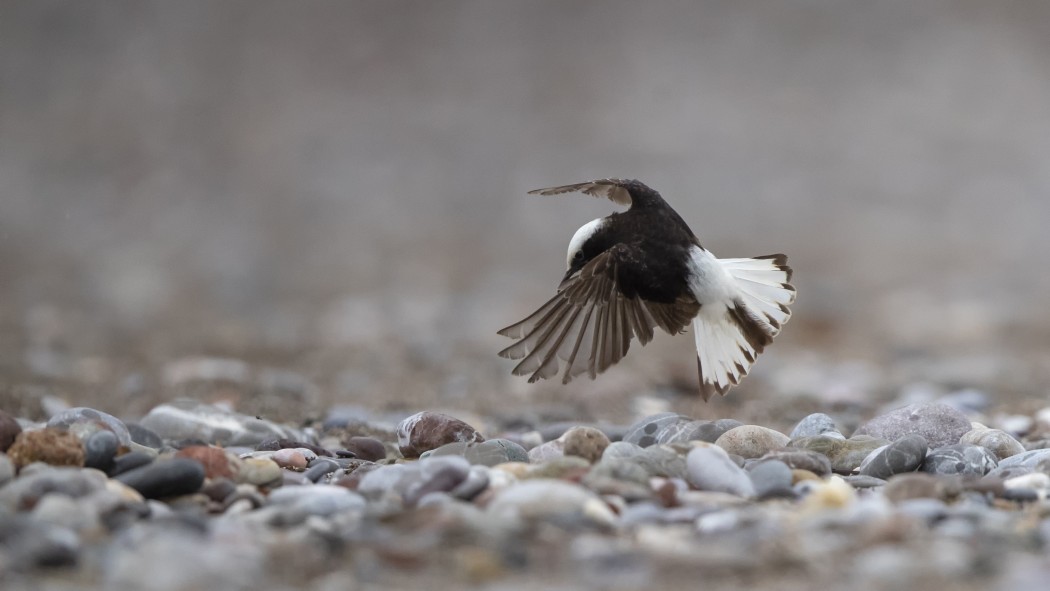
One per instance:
(640, 269)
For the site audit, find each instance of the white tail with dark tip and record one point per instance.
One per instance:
(744, 304)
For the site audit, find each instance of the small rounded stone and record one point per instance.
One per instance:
(130, 461)
(366, 448)
(644, 431)
(84, 421)
(100, 448)
(568, 467)
(771, 479)
(751, 441)
(586, 442)
(495, 451)
(547, 451)
(904, 455)
(165, 478)
(709, 468)
(259, 471)
(144, 436)
(914, 485)
(216, 462)
(320, 468)
(56, 447)
(292, 458)
(429, 430)
(940, 424)
(802, 459)
(961, 458)
(1000, 443)
(816, 424)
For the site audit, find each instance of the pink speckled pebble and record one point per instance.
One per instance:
(292, 458)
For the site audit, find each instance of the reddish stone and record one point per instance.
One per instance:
(366, 448)
(430, 430)
(214, 459)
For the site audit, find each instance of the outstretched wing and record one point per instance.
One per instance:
(623, 192)
(589, 324)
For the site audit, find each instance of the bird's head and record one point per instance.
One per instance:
(580, 251)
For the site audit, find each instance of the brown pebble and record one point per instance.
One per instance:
(585, 442)
(798, 475)
(915, 485)
(214, 459)
(56, 447)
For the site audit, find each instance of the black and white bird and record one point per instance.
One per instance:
(640, 269)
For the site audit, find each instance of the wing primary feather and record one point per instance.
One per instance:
(552, 350)
(531, 357)
(576, 347)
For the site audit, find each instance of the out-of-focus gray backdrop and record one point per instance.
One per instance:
(277, 181)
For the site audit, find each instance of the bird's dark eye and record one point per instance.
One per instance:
(578, 256)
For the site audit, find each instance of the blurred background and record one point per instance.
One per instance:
(326, 200)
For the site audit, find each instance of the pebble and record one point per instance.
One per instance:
(814, 425)
(771, 479)
(844, 455)
(622, 450)
(217, 462)
(802, 459)
(545, 500)
(961, 458)
(751, 441)
(56, 447)
(940, 424)
(426, 430)
(616, 512)
(366, 448)
(24, 492)
(84, 421)
(9, 429)
(904, 455)
(644, 432)
(320, 499)
(259, 471)
(100, 449)
(7, 469)
(585, 442)
(547, 451)
(709, 468)
(915, 485)
(144, 436)
(293, 458)
(495, 451)
(659, 461)
(686, 431)
(191, 420)
(568, 468)
(833, 493)
(165, 478)
(441, 474)
(1000, 443)
(476, 481)
(129, 461)
(28, 544)
(1028, 459)
(1034, 481)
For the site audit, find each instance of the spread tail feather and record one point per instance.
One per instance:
(729, 336)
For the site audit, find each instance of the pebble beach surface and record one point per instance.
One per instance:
(196, 496)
